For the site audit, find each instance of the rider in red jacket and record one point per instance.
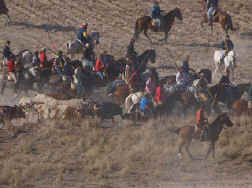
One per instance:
(99, 67)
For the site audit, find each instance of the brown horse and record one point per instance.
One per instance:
(221, 17)
(240, 107)
(145, 23)
(4, 10)
(187, 133)
(121, 93)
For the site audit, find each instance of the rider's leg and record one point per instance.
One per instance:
(158, 22)
(223, 56)
(209, 15)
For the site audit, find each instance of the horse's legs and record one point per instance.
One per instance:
(209, 150)
(213, 150)
(146, 34)
(180, 153)
(188, 150)
(166, 37)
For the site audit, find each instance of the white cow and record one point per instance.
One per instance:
(229, 61)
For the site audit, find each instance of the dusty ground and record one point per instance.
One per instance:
(78, 155)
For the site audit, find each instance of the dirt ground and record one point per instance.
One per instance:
(77, 154)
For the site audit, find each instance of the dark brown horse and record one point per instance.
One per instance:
(4, 10)
(145, 23)
(187, 133)
(221, 17)
(217, 92)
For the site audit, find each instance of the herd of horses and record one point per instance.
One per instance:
(144, 24)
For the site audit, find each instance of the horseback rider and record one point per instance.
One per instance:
(89, 57)
(150, 85)
(35, 59)
(60, 59)
(212, 6)
(7, 52)
(43, 59)
(227, 85)
(131, 53)
(159, 98)
(182, 78)
(201, 124)
(100, 67)
(82, 34)
(156, 13)
(200, 87)
(130, 75)
(145, 106)
(11, 69)
(67, 72)
(227, 45)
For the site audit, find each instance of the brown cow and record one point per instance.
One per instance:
(8, 113)
(4, 10)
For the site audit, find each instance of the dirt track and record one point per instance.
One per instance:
(51, 23)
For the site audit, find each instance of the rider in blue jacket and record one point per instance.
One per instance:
(156, 11)
(211, 6)
(82, 34)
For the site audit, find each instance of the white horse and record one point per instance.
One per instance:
(76, 47)
(26, 58)
(132, 100)
(229, 61)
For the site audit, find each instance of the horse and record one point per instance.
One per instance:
(132, 100)
(76, 47)
(4, 10)
(145, 23)
(120, 93)
(25, 57)
(221, 17)
(187, 133)
(217, 93)
(144, 58)
(229, 61)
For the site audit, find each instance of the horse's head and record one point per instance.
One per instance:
(223, 118)
(178, 14)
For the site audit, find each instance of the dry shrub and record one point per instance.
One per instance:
(99, 153)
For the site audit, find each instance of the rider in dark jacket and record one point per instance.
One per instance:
(226, 45)
(131, 53)
(7, 51)
(82, 34)
(228, 88)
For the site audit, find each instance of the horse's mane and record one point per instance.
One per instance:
(171, 12)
